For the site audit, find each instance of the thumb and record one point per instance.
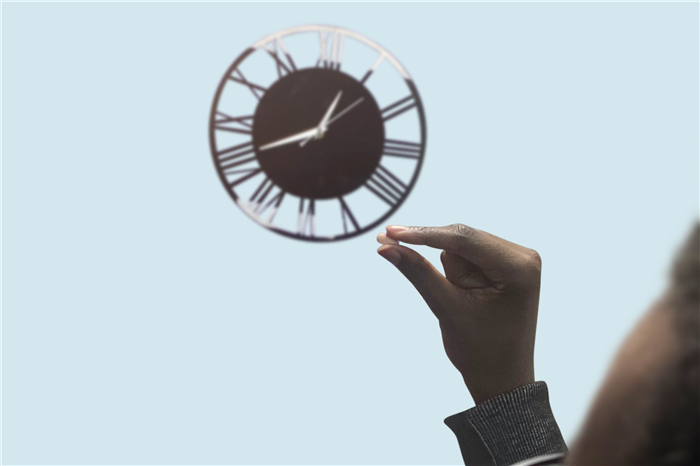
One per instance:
(462, 273)
(431, 284)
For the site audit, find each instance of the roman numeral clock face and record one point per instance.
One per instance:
(317, 133)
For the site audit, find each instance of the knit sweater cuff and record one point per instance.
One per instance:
(509, 428)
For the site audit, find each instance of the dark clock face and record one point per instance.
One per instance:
(312, 156)
(336, 163)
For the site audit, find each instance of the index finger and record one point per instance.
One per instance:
(477, 246)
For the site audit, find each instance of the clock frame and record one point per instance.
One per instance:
(329, 166)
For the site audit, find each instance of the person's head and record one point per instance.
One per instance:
(648, 410)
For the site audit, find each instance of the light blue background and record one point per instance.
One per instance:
(147, 320)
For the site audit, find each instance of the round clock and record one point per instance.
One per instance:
(317, 133)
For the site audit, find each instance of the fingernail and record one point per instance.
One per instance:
(384, 239)
(395, 228)
(390, 254)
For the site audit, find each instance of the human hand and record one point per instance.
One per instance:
(486, 303)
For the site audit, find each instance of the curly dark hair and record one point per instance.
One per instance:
(675, 424)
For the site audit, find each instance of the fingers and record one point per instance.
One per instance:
(435, 289)
(384, 239)
(480, 248)
(462, 273)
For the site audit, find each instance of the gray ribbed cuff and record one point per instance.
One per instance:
(509, 428)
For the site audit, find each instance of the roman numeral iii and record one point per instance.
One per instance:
(403, 149)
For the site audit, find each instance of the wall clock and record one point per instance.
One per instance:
(317, 133)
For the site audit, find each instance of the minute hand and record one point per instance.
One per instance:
(288, 140)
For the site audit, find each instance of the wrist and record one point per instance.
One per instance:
(486, 389)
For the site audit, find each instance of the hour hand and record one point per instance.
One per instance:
(290, 139)
(324, 122)
(323, 125)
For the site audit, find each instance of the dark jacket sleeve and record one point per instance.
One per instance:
(507, 429)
